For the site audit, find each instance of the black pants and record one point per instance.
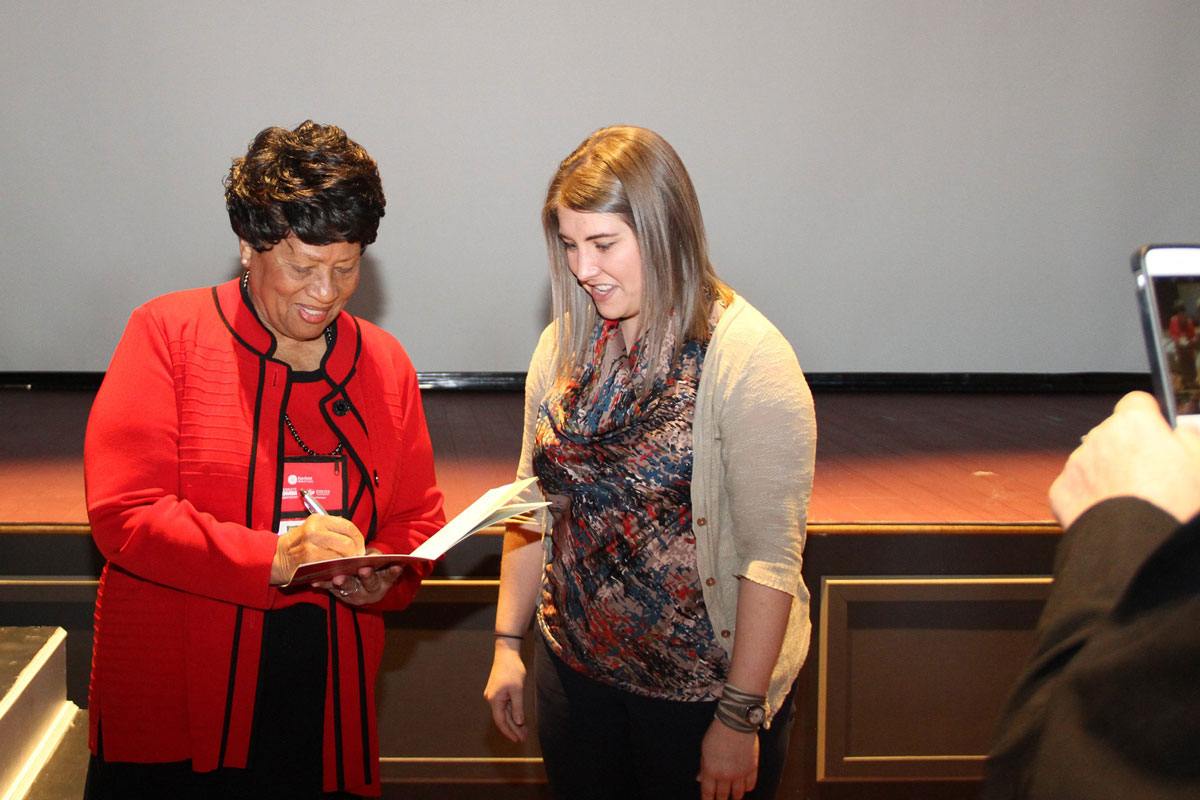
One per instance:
(600, 742)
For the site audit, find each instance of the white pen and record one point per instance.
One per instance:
(310, 502)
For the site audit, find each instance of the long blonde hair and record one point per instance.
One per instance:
(635, 174)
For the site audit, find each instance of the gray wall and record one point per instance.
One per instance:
(931, 185)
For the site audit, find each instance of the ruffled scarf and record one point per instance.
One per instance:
(621, 599)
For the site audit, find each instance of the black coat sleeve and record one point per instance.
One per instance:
(1111, 693)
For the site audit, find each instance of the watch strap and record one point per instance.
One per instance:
(742, 711)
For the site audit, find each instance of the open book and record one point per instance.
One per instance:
(492, 506)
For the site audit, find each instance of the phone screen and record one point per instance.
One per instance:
(1169, 289)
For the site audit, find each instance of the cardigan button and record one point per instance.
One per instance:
(711, 582)
(725, 634)
(702, 522)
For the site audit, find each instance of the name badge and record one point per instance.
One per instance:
(323, 476)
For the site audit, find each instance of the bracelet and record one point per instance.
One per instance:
(740, 710)
(738, 696)
(500, 635)
(731, 720)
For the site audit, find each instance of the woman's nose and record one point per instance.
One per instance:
(586, 268)
(322, 288)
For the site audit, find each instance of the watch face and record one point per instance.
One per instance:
(755, 715)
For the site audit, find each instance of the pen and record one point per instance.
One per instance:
(311, 503)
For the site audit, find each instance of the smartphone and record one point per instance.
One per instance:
(1168, 283)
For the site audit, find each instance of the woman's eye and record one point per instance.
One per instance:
(603, 247)
(569, 246)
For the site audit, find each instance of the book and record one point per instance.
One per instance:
(493, 506)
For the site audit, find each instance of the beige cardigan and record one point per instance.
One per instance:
(754, 443)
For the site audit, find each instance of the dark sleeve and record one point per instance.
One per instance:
(1071, 707)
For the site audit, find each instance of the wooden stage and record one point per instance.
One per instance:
(923, 459)
(929, 543)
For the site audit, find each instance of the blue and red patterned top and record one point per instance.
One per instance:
(621, 598)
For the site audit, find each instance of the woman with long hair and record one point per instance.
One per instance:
(670, 426)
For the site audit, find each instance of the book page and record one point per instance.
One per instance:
(491, 507)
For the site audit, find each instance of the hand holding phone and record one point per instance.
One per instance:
(1168, 281)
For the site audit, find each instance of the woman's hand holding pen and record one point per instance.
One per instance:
(320, 537)
(368, 585)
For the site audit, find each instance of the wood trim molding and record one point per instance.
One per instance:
(838, 707)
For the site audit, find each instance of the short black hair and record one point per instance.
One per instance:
(313, 181)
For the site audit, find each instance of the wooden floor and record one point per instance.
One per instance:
(912, 459)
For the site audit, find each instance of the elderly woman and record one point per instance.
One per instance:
(671, 427)
(209, 679)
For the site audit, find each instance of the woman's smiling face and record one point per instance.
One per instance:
(603, 254)
(297, 288)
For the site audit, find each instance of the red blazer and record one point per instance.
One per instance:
(182, 463)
